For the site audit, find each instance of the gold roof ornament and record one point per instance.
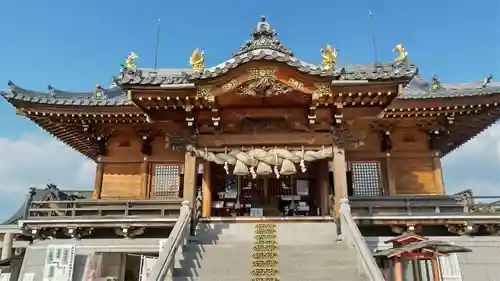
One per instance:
(129, 62)
(197, 60)
(329, 57)
(402, 53)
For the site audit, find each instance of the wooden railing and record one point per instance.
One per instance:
(87, 209)
(457, 204)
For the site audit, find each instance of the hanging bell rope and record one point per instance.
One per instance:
(263, 159)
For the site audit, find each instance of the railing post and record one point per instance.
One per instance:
(345, 208)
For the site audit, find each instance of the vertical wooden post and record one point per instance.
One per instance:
(435, 269)
(190, 172)
(339, 177)
(398, 269)
(323, 184)
(206, 190)
(99, 174)
(266, 189)
(438, 173)
(391, 180)
(145, 179)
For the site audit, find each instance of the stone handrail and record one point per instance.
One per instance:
(177, 239)
(350, 230)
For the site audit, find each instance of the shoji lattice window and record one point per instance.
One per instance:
(166, 181)
(366, 178)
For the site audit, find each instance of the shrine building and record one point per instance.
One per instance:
(262, 136)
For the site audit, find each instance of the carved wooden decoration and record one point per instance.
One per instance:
(249, 125)
(205, 92)
(263, 82)
(320, 90)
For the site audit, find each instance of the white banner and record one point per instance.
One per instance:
(147, 264)
(59, 263)
(92, 271)
(4, 276)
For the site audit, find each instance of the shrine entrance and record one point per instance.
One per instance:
(271, 195)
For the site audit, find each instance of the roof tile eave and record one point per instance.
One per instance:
(59, 97)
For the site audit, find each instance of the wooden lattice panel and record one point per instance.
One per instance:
(166, 181)
(366, 178)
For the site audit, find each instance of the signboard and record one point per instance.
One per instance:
(147, 264)
(4, 276)
(29, 276)
(256, 212)
(59, 263)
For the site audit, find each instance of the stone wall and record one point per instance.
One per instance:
(482, 264)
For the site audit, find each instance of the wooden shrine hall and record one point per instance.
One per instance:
(264, 133)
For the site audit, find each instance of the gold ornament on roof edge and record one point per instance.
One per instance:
(329, 56)
(197, 60)
(129, 62)
(402, 53)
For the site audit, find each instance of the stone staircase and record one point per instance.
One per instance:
(267, 252)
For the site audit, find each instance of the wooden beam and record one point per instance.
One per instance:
(190, 172)
(145, 179)
(206, 191)
(339, 177)
(265, 139)
(391, 179)
(438, 174)
(99, 172)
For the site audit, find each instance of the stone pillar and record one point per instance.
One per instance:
(339, 177)
(206, 191)
(438, 173)
(8, 240)
(99, 172)
(190, 172)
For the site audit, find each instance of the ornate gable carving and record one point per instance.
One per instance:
(263, 82)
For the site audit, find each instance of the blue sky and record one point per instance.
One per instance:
(73, 45)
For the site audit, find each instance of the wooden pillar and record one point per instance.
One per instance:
(323, 183)
(435, 269)
(339, 177)
(438, 173)
(206, 190)
(391, 179)
(398, 269)
(145, 180)
(99, 173)
(266, 189)
(190, 171)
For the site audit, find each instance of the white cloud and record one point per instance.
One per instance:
(475, 165)
(36, 160)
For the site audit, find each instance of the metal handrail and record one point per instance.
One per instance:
(177, 239)
(350, 230)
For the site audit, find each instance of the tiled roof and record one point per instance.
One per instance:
(419, 88)
(113, 96)
(49, 193)
(265, 46)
